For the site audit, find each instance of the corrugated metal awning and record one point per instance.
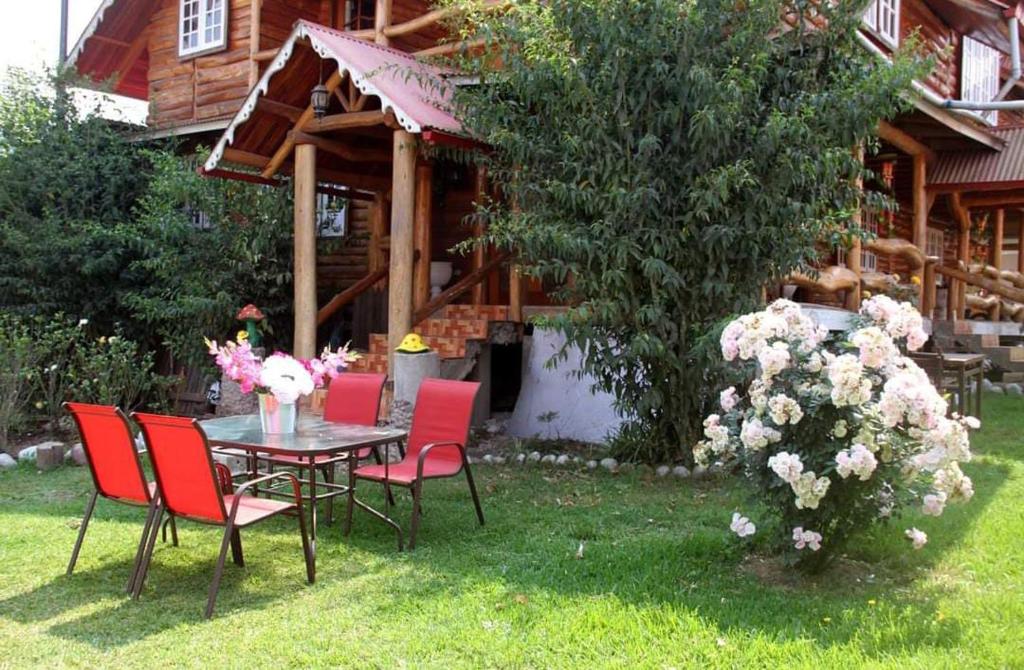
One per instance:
(983, 170)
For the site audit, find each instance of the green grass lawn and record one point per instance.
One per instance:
(662, 582)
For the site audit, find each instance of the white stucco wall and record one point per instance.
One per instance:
(581, 414)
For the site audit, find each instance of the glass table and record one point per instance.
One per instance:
(314, 442)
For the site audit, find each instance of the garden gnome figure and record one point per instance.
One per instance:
(251, 315)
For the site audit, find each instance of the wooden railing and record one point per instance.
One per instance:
(457, 289)
(960, 278)
(349, 294)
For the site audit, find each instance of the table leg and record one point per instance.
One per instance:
(312, 506)
(961, 379)
(977, 393)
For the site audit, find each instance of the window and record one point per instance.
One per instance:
(934, 243)
(331, 211)
(868, 259)
(203, 25)
(979, 81)
(883, 18)
(359, 14)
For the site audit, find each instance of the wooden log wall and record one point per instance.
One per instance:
(191, 90)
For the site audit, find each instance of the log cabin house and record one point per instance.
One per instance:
(239, 74)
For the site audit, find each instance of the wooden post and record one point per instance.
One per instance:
(997, 240)
(1020, 245)
(255, 28)
(421, 232)
(403, 205)
(920, 202)
(516, 291)
(304, 272)
(928, 290)
(376, 258)
(381, 20)
(853, 255)
(479, 291)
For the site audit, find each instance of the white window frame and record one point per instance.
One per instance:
(935, 242)
(882, 18)
(868, 259)
(979, 75)
(205, 24)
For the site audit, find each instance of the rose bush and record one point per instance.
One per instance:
(836, 432)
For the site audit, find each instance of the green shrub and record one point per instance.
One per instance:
(17, 357)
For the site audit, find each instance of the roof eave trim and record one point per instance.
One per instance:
(90, 30)
(300, 31)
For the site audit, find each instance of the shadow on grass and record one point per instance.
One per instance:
(175, 591)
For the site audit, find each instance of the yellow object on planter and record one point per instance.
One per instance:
(412, 344)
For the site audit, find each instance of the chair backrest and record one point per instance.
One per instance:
(110, 450)
(443, 413)
(185, 473)
(354, 397)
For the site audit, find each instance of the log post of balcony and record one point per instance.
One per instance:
(403, 206)
(997, 239)
(421, 233)
(479, 291)
(304, 273)
(381, 20)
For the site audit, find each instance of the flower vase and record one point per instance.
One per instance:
(277, 417)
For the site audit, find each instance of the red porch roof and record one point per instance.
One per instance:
(416, 92)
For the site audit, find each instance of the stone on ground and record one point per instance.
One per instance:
(609, 464)
(549, 459)
(6, 461)
(591, 465)
(663, 470)
(1014, 389)
(77, 455)
(682, 471)
(562, 459)
(534, 456)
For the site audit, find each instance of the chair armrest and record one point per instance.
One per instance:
(426, 450)
(296, 490)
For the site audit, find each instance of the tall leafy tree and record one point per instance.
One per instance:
(662, 161)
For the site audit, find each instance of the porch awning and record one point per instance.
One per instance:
(416, 93)
(982, 170)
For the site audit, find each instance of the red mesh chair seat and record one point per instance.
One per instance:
(404, 472)
(436, 446)
(252, 509)
(191, 486)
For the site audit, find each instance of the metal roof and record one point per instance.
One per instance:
(416, 92)
(983, 168)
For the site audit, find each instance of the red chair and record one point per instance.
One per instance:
(192, 487)
(115, 468)
(352, 397)
(436, 447)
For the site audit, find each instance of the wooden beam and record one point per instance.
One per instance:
(853, 296)
(421, 232)
(903, 141)
(341, 149)
(451, 47)
(265, 55)
(381, 21)
(344, 121)
(279, 157)
(420, 22)
(994, 200)
(516, 294)
(304, 271)
(403, 204)
(255, 28)
(110, 40)
(479, 290)
(124, 65)
(997, 239)
(991, 285)
(350, 294)
(245, 158)
(279, 109)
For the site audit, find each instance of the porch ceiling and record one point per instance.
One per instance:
(110, 45)
(410, 95)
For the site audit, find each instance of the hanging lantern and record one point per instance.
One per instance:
(318, 100)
